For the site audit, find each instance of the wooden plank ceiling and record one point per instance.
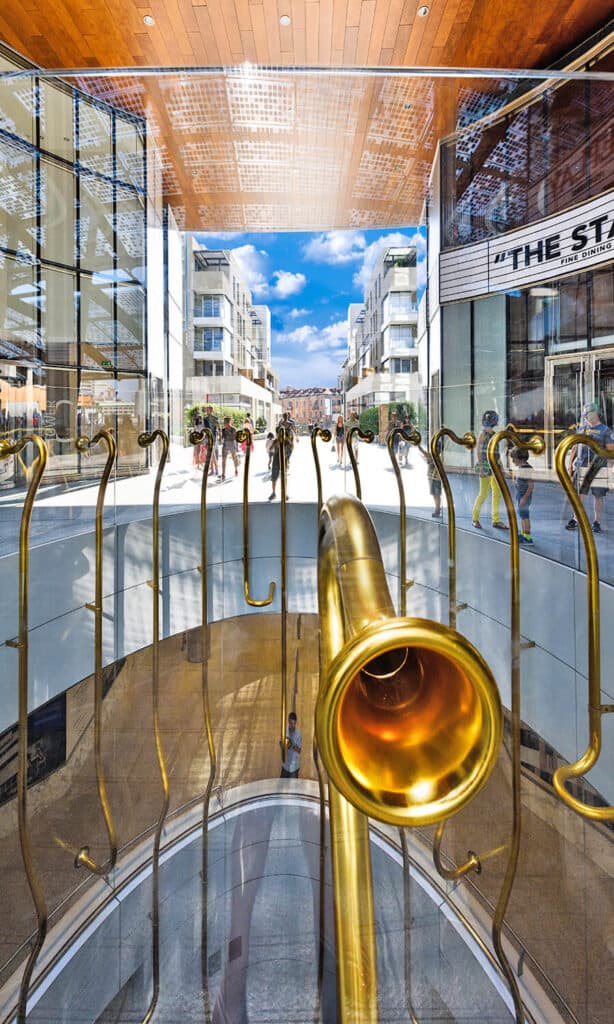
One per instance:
(271, 150)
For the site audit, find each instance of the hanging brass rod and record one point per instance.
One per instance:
(145, 441)
(364, 435)
(596, 709)
(283, 441)
(22, 644)
(536, 445)
(413, 437)
(467, 441)
(436, 448)
(326, 436)
(407, 926)
(84, 444)
(200, 437)
(245, 437)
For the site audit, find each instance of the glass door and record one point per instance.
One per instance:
(568, 383)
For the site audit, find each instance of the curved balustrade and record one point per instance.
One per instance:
(203, 600)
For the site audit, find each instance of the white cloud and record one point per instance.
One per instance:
(335, 247)
(321, 370)
(253, 265)
(333, 338)
(372, 253)
(287, 283)
(296, 314)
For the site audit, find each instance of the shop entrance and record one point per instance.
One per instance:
(570, 382)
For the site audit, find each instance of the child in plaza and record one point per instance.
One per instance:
(523, 476)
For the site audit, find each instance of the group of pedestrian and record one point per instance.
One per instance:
(224, 442)
(587, 469)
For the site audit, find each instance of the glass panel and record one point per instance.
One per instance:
(96, 223)
(59, 316)
(57, 134)
(95, 138)
(17, 102)
(19, 299)
(130, 152)
(57, 202)
(17, 199)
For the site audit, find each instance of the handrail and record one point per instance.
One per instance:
(407, 925)
(283, 438)
(21, 643)
(198, 437)
(364, 435)
(245, 436)
(596, 709)
(83, 858)
(468, 441)
(413, 437)
(145, 440)
(534, 444)
(326, 436)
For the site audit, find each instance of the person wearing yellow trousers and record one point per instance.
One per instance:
(488, 482)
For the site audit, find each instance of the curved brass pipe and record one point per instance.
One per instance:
(467, 441)
(283, 438)
(145, 441)
(245, 436)
(83, 858)
(8, 448)
(197, 437)
(595, 708)
(407, 926)
(534, 444)
(408, 722)
(364, 435)
(325, 436)
(414, 438)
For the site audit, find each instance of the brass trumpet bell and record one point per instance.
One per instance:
(409, 723)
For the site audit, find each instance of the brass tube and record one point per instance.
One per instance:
(595, 707)
(534, 444)
(408, 723)
(21, 643)
(326, 436)
(283, 438)
(364, 435)
(244, 436)
(413, 437)
(407, 926)
(144, 441)
(83, 857)
(467, 441)
(198, 437)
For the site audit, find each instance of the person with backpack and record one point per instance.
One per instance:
(589, 466)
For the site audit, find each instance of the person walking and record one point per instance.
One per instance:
(339, 439)
(523, 475)
(488, 481)
(294, 744)
(587, 464)
(229, 446)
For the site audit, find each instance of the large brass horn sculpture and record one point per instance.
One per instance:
(408, 723)
(408, 717)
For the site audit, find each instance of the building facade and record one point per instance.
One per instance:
(227, 336)
(382, 361)
(311, 406)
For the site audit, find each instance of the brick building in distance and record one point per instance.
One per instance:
(308, 406)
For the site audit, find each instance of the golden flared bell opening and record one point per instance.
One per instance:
(409, 723)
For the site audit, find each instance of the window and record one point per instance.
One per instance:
(208, 339)
(402, 336)
(403, 365)
(399, 304)
(208, 305)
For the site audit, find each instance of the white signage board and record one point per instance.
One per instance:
(566, 243)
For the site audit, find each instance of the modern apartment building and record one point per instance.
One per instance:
(228, 337)
(382, 360)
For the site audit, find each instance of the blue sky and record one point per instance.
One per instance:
(308, 281)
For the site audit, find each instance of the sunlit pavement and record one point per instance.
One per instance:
(62, 510)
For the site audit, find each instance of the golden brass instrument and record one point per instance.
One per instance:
(364, 435)
(326, 436)
(408, 722)
(412, 437)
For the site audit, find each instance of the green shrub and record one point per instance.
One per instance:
(369, 420)
(236, 415)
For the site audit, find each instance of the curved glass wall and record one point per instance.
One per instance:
(100, 329)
